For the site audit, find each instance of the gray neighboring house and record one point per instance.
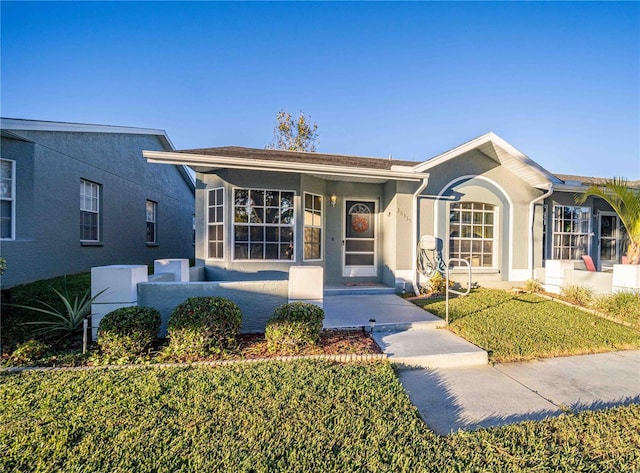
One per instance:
(78, 195)
(259, 212)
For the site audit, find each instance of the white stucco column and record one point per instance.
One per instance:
(120, 286)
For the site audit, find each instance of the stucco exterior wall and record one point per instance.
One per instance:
(47, 242)
(475, 177)
(226, 269)
(595, 204)
(256, 299)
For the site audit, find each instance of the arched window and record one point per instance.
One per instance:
(472, 233)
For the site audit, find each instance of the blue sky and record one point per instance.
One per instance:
(559, 81)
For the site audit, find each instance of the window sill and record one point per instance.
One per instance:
(152, 245)
(91, 243)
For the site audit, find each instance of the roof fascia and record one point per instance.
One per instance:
(278, 166)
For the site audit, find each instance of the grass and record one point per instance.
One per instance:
(13, 318)
(274, 416)
(526, 326)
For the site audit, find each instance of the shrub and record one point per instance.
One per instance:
(61, 323)
(28, 352)
(203, 325)
(128, 331)
(533, 285)
(623, 305)
(578, 295)
(294, 325)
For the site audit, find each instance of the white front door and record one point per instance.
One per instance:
(359, 238)
(608, 239)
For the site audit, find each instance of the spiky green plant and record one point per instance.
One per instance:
(61, 323)
(626, 202)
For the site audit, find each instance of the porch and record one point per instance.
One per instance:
(559, 273)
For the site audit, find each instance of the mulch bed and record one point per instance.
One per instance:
(250, 347)
(333, 342)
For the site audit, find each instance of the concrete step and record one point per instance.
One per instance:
(403, 326)
(429, 349)
(357, 290)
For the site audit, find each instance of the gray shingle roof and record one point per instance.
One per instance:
(592, 181)
(299, 157)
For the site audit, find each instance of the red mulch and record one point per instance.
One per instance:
(336, 342)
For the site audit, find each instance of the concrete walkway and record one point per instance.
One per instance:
(469, 398)
(406, 333)
(454, 388)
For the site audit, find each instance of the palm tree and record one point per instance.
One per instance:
(626, 202)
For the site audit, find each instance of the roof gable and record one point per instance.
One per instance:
(504, 154)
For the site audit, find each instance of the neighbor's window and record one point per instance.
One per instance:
(215, 223)
(7, 198)
(571, 230)
(263, 224)
(89, 211)
(471, 233)
(152, 210)
(312, 226)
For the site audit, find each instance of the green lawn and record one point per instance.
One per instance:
(273, 416)
(515, 327)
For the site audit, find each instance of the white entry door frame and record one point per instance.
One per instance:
(359, 237)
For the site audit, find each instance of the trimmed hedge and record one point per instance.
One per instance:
(128, 331)
(294, 325)
(204, 325)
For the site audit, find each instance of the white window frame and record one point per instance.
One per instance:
(471, 239)
(312, 225)
(11, 199)
(209, 223)
(561, 233)
(292, 226)
(153, 221)
(96, 211)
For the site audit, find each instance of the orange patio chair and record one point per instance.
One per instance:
(588, 261)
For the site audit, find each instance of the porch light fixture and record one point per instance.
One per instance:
(333, 199)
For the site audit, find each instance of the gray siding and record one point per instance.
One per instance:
(49, 171)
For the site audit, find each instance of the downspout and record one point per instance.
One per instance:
(532, 223)
(414, 267)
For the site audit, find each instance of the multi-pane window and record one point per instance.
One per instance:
(151, 211)
(312, 226)
(215, 223)
(7, 198)
(571, 230)
(263, 224)
(471, 233)
(89, 210)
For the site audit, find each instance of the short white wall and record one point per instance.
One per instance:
(306, 283)
(120, 286)
(598, 282)
(179, 267)
(626, 277)
(554, 274)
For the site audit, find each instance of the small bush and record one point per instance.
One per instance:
(578, 295)
(294, 325)
(533, 285)
(201, 326)
(28, 352)
(624, 305)
(127, 332)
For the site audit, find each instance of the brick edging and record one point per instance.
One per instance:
(341, 358)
